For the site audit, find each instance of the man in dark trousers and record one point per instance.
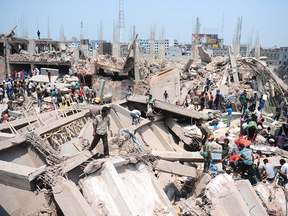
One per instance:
(49, 75)
(101, 123)
(38, 33)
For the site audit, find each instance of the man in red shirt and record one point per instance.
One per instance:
(49, 75)
(234, 162)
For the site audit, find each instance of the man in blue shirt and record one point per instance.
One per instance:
(229, 110)
(246, 155)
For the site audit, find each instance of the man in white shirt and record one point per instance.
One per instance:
(31, 86)
(135, 114)
(258, 113)
(49, 89)
(284, 169)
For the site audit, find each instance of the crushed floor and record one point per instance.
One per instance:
(154, 167)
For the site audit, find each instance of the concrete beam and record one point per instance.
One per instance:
(179, 156)
(70, 200)
(60, 123)
(129, 51)
(17, 175)
(116, 119)
(188, 64)
(170, 108)
(175, 168)
(160, 137)
(12, 142)
(205, 56)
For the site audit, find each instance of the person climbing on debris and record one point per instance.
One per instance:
(207, 153)
(39, 96)
(262, 103)
(226, 154)
(280, 140)
(165, 96)
(246, 111)
(229, 116)
(206, 133)
(268, 170)
(101, 123)
(234, 163)
(253, 102)
(284, 108)
(202, 101)
(246, 155)
(244, 100)
(151, 113)
(206, 89)
(186, 103)
(216, 101)
(284, 171)
(278, 112)
(211, 101)
(196, 101)
(258, 113)
(130, 92)
(38, 33)
(150, 102)
(207, 100)
(135, 114)
(49, 75)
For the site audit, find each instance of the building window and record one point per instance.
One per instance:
(285, 56)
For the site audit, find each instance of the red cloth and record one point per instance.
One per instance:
(242, 141)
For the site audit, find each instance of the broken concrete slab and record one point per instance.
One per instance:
(16, 175)
(70, 200)
(15, 113)
(12, 142)
(178, 131)
(170, 108)
(205, 56)
(180, 156)
(6, 136)
(188, 64)
(175, 168)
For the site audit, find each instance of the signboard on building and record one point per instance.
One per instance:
(208, 39)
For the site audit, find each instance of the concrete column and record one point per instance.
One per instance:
(100, 47)
(233, 64)
(31, 47)
(101, 89)
(257, 52)
(161, 51)
(87, 50)
(32, 66)
(136, 61)
(115, 50)
(152, 50)
(7, 53)
(95, 54)
(259, 82)
(50, 47)
(76, 55)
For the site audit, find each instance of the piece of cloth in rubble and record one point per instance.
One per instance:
(280, 141)
(247, 155)
(243, 141)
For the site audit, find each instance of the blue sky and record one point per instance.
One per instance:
(269, 17)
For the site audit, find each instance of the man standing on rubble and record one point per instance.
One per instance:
(244, 100)
(246, 155)
(38, 33)
(226, 154)
(206, 133)
(278, 112)
(216, 101)
(49, 75)
(39, 96)
(101, 123)
(284, 170)
(150, 101)
(207, 153)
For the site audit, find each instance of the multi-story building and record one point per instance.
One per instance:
(283, 59)
(224, 51)
(145, 44)
(272, 55)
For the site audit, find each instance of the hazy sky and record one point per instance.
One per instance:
(269, 17)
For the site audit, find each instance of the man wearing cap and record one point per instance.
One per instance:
(284, 170)
(280, 140)
(206, 132)
(268, 168)
(246, 155)
(207, 153)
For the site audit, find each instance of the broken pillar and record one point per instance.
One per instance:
(188, 64)
(115, 50)
(95, 54)
(194, 51)
(259, 82)
(136, 62)
(31, 47)
(76, 55)
(233, 64)
(152, 50)
(101, 89)
(257, 52)
(205, 57)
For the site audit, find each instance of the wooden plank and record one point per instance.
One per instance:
(129, 51)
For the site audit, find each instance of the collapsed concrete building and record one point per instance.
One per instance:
(154, 167)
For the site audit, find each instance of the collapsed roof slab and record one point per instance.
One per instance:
(178, 131)
(70, 200)
(18, 176)
(177, 110)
